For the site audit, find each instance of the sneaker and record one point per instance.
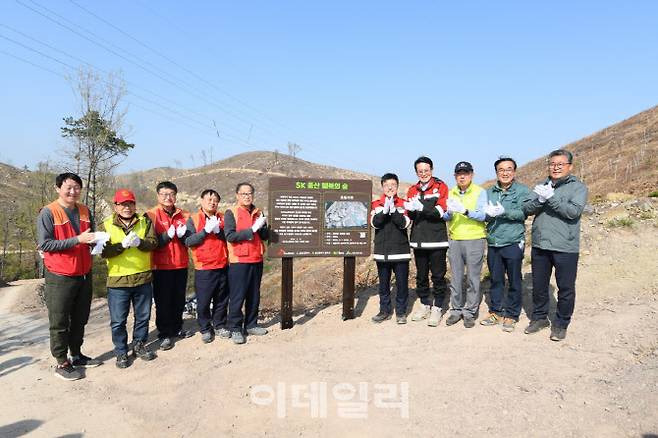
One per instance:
(184, 334)
(207, 337)
(536, 325)
(237, 337)
(67, 372)
(257, 331)
(402, 319)
(453, 319)
(223, 333)
(509, 324)
(558, 334)
(166, 344)
(435, 316)
(82, 361)
(381, 317)
(122, 361)
(421, 313)
(469, 322)
(492, 319)
(140, 351)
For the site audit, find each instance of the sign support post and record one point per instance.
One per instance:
(286, 293)
(349, 276)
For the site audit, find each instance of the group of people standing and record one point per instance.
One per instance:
(459, 224)
(147, 259)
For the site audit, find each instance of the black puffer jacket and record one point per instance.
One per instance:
(391, 241)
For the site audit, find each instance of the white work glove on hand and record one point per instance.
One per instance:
(499, 209)
(259, 223)
(389, 206)
(171, 231)
(455, 206)
(135, 240)
(550, 191)
(217, 225)
(417, 204)
(409, 205)
(127, 241)
(180, 230)
(210, 224)
(543, 191)
(494, 210)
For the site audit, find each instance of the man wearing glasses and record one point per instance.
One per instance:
(129, 277)
(557, 204)
(425, 206)
(506, 239)
(169, 262)
(246, 231)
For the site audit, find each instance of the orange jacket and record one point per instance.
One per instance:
(238, 220)
(73, 261)
(174, 254)
(212, 253)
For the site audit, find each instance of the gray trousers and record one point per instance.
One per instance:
(467, 254)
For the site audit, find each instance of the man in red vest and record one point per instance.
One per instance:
(246, 230)
(210, 256)
(169, 265)
(65, 229)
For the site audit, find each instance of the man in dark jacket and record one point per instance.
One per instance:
(506, 239)
(557, 205)
(429, 238)
(389, 219)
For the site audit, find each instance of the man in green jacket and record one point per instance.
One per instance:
(557, 205)
(506, 239)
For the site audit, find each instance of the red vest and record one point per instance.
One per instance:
(212, 253)
(245, 251)
(73, 261)
(174, 254)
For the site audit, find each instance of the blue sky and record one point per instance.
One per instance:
(365, 85)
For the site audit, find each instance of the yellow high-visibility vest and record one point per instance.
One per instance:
(131, 260)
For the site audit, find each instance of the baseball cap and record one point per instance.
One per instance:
(123, 195)
(463, 166)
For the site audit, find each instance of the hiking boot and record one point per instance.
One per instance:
(237, 337)
(401, 319)
(435, 316)
(140, 351)
(536, 325)
(509, 324)
(257, 331)
(184, 334)
(469, 322)
(380, 317)
(421, 313)
(223, 333)
(207, 337)
(82, 361)
(453, 319)
(166, 344)
(122, 361)
(558, 334)
(67, 372)
(492, 319)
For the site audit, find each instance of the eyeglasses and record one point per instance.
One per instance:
(423, 172)
(502, 171)
(558, 165)
(245, 194)
(126, 204)
(167, 195)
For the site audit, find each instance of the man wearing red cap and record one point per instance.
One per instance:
(129, 277)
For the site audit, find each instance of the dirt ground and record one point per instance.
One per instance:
(328, 377)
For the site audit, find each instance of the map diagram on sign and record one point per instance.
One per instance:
(345, 214)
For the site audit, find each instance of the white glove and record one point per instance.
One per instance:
(171, 231)
(180, 230)
(217, 225)
(455, 206)
(259, 223)
(550, 191)
(409, 205)
(135, 241)
(417, 204)
(490, 210)
(391, 206)
(499, 208)
(540, 190)
(210, 224)
(127, 241)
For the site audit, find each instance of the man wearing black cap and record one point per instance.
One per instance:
(465, 217)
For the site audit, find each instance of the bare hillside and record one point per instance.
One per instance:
(620, 158)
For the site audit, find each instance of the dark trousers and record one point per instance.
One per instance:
(433, 260)
(118, 301)
(384, 270)
(211, 288)
(244, 286)
(68, 300)
(169, 288)
(505, 260)
(566, 266)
